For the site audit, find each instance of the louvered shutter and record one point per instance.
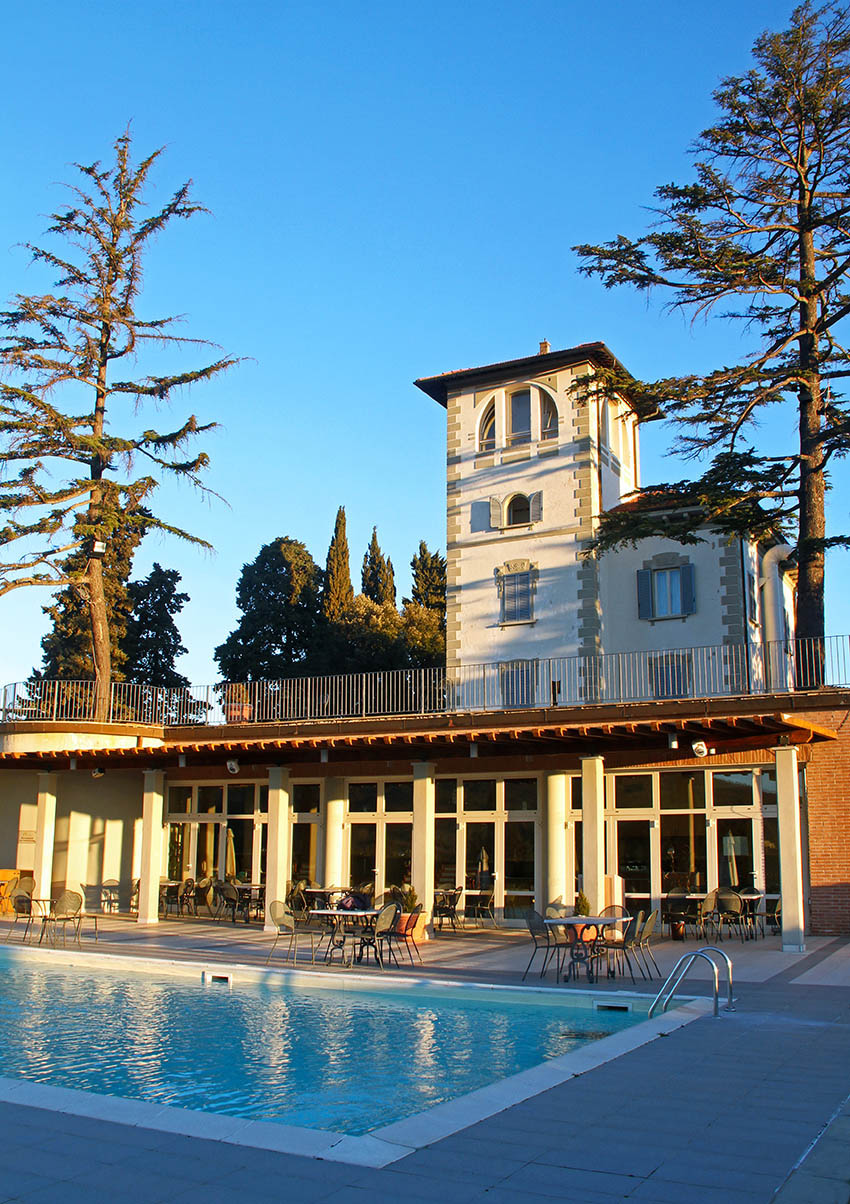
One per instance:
(536, 506)
(644, 592)
(688, 582)
(495, 513)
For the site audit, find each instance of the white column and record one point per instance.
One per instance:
(422, 862)
(559, 888)
(153, 806)
(593, 832)
(45, 830)
(278, 845)
(335, 874)
(790, 851)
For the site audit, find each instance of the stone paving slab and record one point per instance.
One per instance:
(720, 1110)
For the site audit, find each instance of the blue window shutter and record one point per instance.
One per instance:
(689, 597)
(644, 591)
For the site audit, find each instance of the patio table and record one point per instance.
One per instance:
(582, 950)
(337, 917)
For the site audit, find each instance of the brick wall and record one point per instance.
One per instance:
(828, 791)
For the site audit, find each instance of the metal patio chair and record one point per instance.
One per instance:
(284, 921)
(21, 903)
(445, 907)
(545, 942)
(380, 938)
(68, 909)
(405, 928)
(643, 942)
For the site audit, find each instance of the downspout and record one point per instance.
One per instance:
(774, 611)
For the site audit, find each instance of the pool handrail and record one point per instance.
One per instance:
(680, 970)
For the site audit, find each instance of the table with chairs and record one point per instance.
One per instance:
(614, 939)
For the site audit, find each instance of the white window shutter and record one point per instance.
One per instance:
(495, 513)
(536, 507)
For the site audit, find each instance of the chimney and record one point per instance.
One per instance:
(544, 347)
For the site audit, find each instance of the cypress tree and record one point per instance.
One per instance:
(152, 642)
(429, 580)
(378, 578)
(337, 591)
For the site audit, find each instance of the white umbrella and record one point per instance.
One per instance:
(731, 861)
(483, 861)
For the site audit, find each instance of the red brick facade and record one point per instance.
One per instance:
(828, 798)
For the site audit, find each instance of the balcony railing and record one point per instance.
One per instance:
(716, 671)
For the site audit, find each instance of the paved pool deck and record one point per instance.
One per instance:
(746, 1108)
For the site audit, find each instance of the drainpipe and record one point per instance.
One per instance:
(774, 609)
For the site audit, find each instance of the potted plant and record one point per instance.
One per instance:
(408, 899)
(581, 908)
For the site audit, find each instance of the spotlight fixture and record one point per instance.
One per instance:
(97, 772)
(699, 748)
(673, 740)
(232, 766)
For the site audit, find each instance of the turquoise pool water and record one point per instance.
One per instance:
(344, 1060)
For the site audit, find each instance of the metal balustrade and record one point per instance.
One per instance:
(716, 671)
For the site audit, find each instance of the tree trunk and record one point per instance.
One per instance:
(101, 651)
(810, 561)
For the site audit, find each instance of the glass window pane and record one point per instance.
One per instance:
(398, 796)
(519, 856)
(178, 844)
(207, 858)
(480, 855)
(397, 854)
(683, 852)
(682, 791)
(521, 416)
(210, 800)
(363, 796)
(771, 855)
(733, 789)
(239, 849)
(735, 853)
(521, 794)
(633, 855)
(479, 795)
(579, 850)
(768, 787)
(240, 800)
(305, 797)
(305, 845)
(633, 790)
(575, 793)
(446, 794)
(445, 854)
(180, 799)
(263, 800)
(362, 858)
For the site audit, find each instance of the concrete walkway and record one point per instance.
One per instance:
(720, 1110)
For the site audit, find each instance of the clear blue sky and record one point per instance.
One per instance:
(394, 190)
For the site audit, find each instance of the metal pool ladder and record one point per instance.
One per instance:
(681, 968)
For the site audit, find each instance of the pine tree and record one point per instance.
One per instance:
(152, 642)
(67, 646)
(74, 482)
(760, 237)
(278, 594)
(337, 591)
(378, 578)
(429, 580)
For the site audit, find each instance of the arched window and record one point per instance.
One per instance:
(519, 510)
(487, 430)
(548, 417)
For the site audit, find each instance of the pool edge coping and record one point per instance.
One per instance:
(381, 1146)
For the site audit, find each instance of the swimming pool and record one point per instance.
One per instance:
(349, 1061)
